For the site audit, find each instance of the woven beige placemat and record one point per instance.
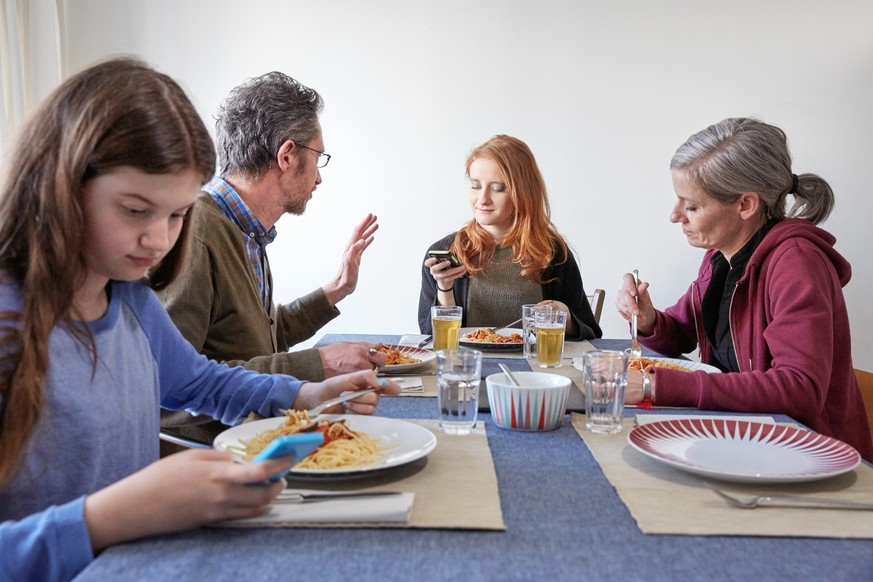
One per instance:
(666, 500)
(455, 486)
(458, 487)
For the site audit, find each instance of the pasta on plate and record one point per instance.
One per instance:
(342, 448)
(488, 335)
(397, 357)
(649, 363)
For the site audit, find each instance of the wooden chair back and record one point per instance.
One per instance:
(865, 381)
(596, 300)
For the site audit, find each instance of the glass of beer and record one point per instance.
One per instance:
(550, 338)
(446, 322)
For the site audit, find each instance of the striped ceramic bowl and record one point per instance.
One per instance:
(538, 404)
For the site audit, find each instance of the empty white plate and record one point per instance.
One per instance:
(744, 451)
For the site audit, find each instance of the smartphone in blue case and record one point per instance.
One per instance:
(299, 445)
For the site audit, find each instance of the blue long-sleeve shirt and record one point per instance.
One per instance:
(100, 424)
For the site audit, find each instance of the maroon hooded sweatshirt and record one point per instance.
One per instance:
(790, 331)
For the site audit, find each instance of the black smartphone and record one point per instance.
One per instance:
(445, 255)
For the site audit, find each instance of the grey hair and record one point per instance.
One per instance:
(746, 155)
(258, 117)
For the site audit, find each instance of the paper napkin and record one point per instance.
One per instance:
(386, 509)
(408, 384)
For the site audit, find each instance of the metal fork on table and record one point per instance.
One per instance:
(790, 501)
(635, 350)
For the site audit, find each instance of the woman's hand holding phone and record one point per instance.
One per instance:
(443, 255)
(444, 274)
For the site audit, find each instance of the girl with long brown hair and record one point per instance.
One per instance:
(510, 252)
(93, 212)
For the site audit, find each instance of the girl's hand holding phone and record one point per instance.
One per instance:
(179, 492)
(297, 446)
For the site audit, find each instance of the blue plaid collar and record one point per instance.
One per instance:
(238, 211)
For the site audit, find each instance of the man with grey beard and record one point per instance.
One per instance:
(271, 151)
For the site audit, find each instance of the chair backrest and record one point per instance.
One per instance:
(596, 300)
(865, 381)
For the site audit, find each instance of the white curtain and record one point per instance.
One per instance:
(31, 49)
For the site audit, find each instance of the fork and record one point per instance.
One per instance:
(316, 410)
(635, 350)
(790, 501)
(517, 321)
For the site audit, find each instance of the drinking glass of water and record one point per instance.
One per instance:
(604, 373)
(459, 373)
(529, 330)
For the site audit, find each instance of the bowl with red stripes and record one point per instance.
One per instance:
(537, 404)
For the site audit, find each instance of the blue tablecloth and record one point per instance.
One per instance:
(563, 518)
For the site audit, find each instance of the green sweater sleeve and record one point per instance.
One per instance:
(216, 304)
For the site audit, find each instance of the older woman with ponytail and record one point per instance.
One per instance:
(767, 306)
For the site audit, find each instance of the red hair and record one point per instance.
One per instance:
(534, 239)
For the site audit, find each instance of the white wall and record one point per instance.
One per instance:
(603, 92)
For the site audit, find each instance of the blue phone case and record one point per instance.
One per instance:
(298, 445)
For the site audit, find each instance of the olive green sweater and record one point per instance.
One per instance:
(216, 305)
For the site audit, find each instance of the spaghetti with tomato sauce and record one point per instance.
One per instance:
(342, 447)
(648, 363)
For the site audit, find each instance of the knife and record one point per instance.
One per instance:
(296, 497)
(425, 341)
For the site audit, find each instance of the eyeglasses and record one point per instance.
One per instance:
(323, 158)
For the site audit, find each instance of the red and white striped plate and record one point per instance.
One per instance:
(744, 451)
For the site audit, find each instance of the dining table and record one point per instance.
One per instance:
(563, 520)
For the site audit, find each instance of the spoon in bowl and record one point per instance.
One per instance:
(509, 375)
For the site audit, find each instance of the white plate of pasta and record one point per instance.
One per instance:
(384, 443)
(404, 358)
(485, 338)
(670, 363)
